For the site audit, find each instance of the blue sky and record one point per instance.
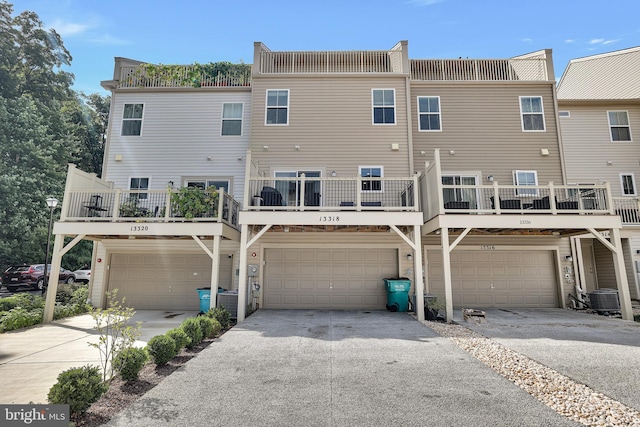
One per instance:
(186, 31)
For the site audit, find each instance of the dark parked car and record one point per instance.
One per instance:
(31, 275)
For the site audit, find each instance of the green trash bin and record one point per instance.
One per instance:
(397, 294)
(205, 299)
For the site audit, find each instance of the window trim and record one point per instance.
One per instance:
(140, 196)
(187, 179)
(381, 190)
(541, 113)
(633, 181)
(267, 107)
(222, 120)
(439, 114)
(373, 108)
(628, 126)
(519, 192)
(123, 119)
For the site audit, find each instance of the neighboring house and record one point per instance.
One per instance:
(599, 109)
(164, 135)
(351, 166)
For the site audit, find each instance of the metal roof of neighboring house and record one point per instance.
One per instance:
(608, 76)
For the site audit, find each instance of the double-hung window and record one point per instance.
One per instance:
(532, 113)
(277, 107)
(619, 125)
(429, 113)
(628, 182)
(138, 184)
(384, 106)
(232, 119)
(132, 119)
(371, 172)
(203, 183)
(523, 179)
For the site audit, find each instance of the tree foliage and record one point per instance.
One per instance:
(44, 125)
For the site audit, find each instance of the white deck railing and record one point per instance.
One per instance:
(117, 205)
(530, 69)
(381, 61)
(178, 76)
(335, 194)
(628, 208)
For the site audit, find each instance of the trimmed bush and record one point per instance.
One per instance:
(161, 348)
(222, 315)
(207, 325)
(130, 361)
(78, 388)
(191, 327)
(20, 317)
(179, 337)
(8, 303)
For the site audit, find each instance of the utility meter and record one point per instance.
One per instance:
(252, 270)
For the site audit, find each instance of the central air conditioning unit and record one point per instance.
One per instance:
(230, 301)
(604, 300)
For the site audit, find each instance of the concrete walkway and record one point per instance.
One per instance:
(335, 368)
(32, 358)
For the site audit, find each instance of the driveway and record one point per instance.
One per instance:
(600, 352)
(335, 368)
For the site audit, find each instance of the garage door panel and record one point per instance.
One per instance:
(344, 278)
(497, 278)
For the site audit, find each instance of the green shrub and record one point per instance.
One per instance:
(80, 296)
(179, 337)
(28, 301)
(192, 328)
(130, 361)
(208, 326)
(20, 317)
(161, 348)
(65, 292)
(8, 303)
(222, 315)
(78, 388)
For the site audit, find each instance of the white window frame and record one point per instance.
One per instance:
(628, 126)
(429, 113)
(525, 192)
(240, 119)
(633, 182)
(384, 106)
(360, 170)
(267, 107)
(131, 119)
(140, 196)
(541, 113)
(207, 181)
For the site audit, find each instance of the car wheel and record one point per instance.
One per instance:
(40, 284)
(70, 279)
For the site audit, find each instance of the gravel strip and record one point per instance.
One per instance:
(573, 400)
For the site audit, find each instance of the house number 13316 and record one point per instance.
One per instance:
(329, 218)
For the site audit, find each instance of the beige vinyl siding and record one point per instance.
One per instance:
(587, 145)
(331, 120)
(179, 131)
(606, 274)
(482, 124)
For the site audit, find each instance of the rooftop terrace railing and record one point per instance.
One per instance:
(530, 69)
(317, 62)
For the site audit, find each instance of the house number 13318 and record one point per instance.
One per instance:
(329, 218)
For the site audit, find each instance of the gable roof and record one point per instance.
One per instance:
(608, 76)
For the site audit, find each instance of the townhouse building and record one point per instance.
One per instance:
(599, 115)
(351, 167)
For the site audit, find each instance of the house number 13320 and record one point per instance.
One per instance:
(139, 228)
(329, 218)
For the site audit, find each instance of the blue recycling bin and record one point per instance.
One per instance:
(205, 299)
(397, 294)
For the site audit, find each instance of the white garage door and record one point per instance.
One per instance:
(497, 278)
(164, 282)
(328, 278)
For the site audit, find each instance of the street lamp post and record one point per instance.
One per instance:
(52, 202)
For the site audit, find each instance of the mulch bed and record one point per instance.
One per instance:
(122, 393)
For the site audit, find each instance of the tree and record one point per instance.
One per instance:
(44, 125)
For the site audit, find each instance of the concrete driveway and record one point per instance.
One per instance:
(600, 352)
(335, 368)
(32, 358)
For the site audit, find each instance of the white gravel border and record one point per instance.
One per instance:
(573, 400)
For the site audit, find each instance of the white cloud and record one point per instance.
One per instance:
(610, 41)
(527, 40)
(596, 41)
(424, 2)
(108, 39)
(603, 42)
(569, 41)
(69, 28)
